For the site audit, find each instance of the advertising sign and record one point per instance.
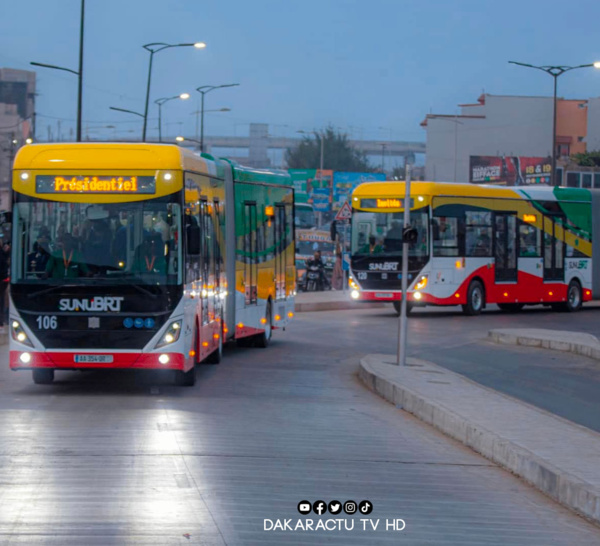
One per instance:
(300, 178)
(344, 184)
(509, 170)
(320, 199)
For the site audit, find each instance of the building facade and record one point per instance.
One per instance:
(17, 108)
(505, 126)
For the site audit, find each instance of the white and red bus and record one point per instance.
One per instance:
(477, 245)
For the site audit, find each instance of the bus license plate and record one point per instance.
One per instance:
(94, 359)
(383, 294)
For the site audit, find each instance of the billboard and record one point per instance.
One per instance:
(313, 187)
(300, 178)
(344, 184)
(509, 170)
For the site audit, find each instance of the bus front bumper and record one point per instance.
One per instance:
(86, 360)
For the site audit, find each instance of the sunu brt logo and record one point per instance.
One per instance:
(97, 304)
(577, 264)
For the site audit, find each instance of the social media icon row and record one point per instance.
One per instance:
(334, 507)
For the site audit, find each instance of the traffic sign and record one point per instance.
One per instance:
(345, 213)
(346, 261)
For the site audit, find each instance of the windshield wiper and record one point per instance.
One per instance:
(51, 289)
(139, 288)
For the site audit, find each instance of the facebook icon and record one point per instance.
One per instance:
(319, 507)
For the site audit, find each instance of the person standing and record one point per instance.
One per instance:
(337, 277)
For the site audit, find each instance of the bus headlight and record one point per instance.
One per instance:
(355, 294)
(352, 283)
(171, 334)
(422, 283)
(18, 334)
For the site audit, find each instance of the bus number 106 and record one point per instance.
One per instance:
(46, 323)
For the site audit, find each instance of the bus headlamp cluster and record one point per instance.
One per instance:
(171, 335)
(422, 283)
(352, 283)
(18, 334)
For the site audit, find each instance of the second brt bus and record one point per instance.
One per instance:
(144, 256)
(475, 245)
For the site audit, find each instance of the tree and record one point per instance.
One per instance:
(587, 159)
(338, 154)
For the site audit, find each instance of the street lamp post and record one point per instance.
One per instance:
(162, 101)
(320, 178)
(203, 89)
(152, 49)
(78, 73)
(555, 72)
(128, 112)
(197, 113)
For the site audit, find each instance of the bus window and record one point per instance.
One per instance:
(530, 241)
(478, 233)
(445, 236)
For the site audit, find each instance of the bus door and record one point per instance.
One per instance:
(250, 253)
(280, 247)
(554, 248)
(505, 246)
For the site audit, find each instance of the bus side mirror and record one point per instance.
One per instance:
(193, 240)
(409, 235)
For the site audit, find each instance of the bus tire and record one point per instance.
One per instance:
(574, 298)
(398, 307)
(186, 379)
(510, 307)
(217, 355)
(43, 376)
(262, 340)
(475, 299)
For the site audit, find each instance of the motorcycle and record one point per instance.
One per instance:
(313, 279)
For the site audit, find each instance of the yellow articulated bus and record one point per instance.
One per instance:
(144, 256)
(512, 246)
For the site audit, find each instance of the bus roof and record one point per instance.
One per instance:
(135, 156)
(396, 189)
(117, 155)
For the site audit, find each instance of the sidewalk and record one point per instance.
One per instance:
(555, 340)
(558, 457)
(332, 300)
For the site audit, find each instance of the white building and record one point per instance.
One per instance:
(504, 126)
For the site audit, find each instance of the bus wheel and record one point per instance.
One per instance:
(186, 379)
(574, 298)
(217, 355)
(43, 376)
(398, 307)
(262, 340)
(511, 307)
(475, 299)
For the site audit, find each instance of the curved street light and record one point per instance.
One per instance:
(555, 72)
(203, 90)
(160, 102)
(153, 48)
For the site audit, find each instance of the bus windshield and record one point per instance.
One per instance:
(82, 243)
(380, 233)
(305, 217)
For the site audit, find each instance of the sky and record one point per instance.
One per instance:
(373, 69)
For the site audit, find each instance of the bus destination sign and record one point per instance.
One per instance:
(385, 203)
(93, 184)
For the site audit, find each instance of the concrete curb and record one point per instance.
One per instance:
(305, 307)
(554, 340)
(567, 489)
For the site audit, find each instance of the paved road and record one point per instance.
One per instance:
(120, 458)
(562, 383)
